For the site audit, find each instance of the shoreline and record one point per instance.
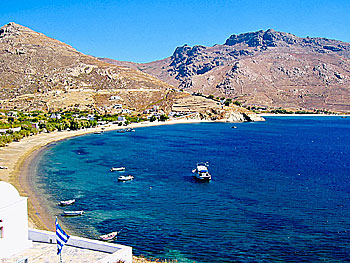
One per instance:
(20, 157)
(301, 115)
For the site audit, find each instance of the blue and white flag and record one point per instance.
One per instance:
(61, 237)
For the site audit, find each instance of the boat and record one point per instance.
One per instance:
(118, 169)
(73, 213)
(129, 130)
(124, 178)
(201, 172)
(121, 131)
(98, 132)
(68, 202)
(109, 237)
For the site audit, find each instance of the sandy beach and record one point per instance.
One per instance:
(20, 158)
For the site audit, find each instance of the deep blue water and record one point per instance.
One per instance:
(280, 189)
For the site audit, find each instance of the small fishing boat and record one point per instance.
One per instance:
(129, 130)
(109, 237)
(124, 178)
(65, 203)
(118, 169)
(121, 131)
(73, 213)
(98, 132)
(201, 172)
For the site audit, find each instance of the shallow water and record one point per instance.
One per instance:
(279, 190)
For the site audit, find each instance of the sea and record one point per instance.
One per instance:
(280, 189)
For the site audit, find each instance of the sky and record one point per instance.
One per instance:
(144, 31)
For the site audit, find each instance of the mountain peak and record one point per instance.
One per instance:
(270, 38)
(13, 29)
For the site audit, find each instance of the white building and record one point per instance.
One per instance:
(13, 221)
(118, 106)
(114, 98)
(127, 111)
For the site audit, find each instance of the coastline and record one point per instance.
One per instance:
(301, 115)
(20, 157)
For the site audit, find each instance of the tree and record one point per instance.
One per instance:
(163, 117)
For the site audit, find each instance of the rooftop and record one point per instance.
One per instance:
(47, 253)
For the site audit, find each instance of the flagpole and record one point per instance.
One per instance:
(61, 257)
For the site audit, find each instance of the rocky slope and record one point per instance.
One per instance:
(264, 69)
(38, 72)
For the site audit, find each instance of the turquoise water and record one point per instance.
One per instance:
(280, 189)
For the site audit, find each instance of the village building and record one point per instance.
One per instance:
(13, 221)
(126, 111)
(114, 98)
(118, 106)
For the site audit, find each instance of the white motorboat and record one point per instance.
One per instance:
(201, 172)
(65, 203)
(73, 213)
(117, 169)
(109, 237)
(124, 178)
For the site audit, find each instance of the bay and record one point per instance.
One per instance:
(279, 190)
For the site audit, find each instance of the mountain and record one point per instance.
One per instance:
(267, 69)
(38, 72)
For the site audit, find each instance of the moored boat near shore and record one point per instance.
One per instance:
(67, 202)
(117, 169)
(124, 178)
(109, 237)
(73, 213)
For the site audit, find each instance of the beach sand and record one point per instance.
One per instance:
(21, 157)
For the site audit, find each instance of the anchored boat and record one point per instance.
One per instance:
(201, 172)
(124, 178)
(109, 237)
(118, 169)
(73, 213)
(65, 203)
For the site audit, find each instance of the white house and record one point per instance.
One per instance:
(55, 116)
(13, 221)
(121, 118)
(118, 106)
(114, 98)
(127, 111)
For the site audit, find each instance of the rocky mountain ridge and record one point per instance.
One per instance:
(266, 69)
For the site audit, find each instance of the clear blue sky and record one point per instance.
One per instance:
(143, 31)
